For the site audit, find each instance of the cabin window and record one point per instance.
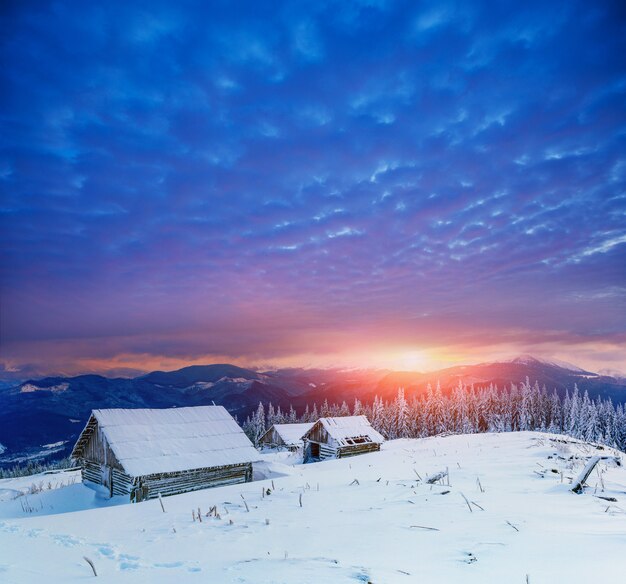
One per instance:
(358, 440)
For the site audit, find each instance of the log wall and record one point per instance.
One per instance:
(97, 449)
(91, 471)
(357, 449)
(150, 486)
(271, 438)
(122, 483)
(319, 434)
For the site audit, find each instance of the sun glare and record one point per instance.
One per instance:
(404, 360)
(413, 360)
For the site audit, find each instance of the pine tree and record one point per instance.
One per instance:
(259, 423)
(401, 415)
(271, 415)
(574, 422)
(377, 414)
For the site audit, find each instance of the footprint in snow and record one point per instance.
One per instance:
(66, 540)
(168, 565)
(105, 550)
(125, 566)
(361, 576)
(128, 562)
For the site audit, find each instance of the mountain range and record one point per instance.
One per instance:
(41, 418)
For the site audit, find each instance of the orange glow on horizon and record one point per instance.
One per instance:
(399, 359)
(59, 357)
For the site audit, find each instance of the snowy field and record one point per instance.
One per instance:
(506, 516)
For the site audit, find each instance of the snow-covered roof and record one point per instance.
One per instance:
(342, 430)
(149, 441)
(291, 434)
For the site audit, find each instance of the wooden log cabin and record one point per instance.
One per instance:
(340, 437)
(140, 453)
(288, 436)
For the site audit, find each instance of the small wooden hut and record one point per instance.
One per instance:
(340, 437)
(143, 452)
(287, 436)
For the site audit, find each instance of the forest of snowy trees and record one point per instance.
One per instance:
(470, 410)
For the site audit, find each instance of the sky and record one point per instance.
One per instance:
(364, 184)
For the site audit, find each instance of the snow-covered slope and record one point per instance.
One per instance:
(369, 518)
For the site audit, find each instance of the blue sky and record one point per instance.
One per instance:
(362, 183)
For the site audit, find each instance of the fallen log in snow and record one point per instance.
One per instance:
(577, 485)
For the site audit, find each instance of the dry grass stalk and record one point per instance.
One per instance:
(91, 565)
(161, 501)
(245, 503)
(468, 503)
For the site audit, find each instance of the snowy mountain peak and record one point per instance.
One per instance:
(531, 360)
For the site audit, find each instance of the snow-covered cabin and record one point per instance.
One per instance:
(143, 452)
(340, 437)
(285, 436)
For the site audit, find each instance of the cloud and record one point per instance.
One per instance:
(278, 175)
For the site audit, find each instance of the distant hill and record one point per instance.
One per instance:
(554, 375)
(43, 417)
(187, 376)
